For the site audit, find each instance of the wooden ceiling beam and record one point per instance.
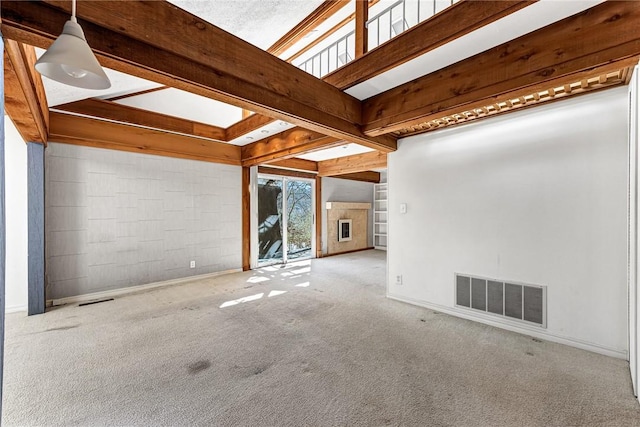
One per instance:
(275, 169)
(287, 144)
(599, 78)
(136, 116)
(352, 164)
(160, 42)
(136, 93)
(595, 38)
(459, 19)
(366, 176)
(297, 164)
(70, 129)
(245, 126)
(323, 12)
(25, 98)
(286, 172)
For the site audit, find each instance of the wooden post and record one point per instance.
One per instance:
(362, 36)
(318, 217)
(246, 219)
(35, 218)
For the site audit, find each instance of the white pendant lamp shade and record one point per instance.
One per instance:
(69, 60)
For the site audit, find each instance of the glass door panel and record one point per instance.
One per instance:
(299, 209)
(270, 232)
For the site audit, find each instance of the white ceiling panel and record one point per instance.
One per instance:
(335, 152)
(186, 105)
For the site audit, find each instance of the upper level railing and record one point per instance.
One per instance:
(387, 24)
(331, 57)
(401, 16)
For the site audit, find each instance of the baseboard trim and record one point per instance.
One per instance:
(348, 252)
(15, 309)
(536, 333)
(132, 289)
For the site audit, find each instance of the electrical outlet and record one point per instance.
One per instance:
(399, 279)
(192, 264)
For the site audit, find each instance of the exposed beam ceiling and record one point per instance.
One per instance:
(70, 129)
(195, 56)
(543, 66)
(25, 99)
(582, 43)
(352, 164)
(285, 145)
(459, 19)
(125, 114)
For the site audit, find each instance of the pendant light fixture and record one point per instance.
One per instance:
(69, 59)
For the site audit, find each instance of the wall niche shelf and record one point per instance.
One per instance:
(380, 216)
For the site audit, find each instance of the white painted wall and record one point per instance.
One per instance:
(537, 196)
(116, 219)
(16, 278)
(634, 178)
(345, 190)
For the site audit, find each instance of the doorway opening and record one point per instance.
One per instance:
(286, 219)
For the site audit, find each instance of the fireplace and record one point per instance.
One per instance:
(347, 226)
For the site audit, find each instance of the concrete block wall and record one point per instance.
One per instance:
(116, 219)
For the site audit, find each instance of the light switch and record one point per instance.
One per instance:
(403, 208)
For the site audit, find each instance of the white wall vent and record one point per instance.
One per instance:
(506, 299)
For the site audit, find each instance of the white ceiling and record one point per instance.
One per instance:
(186, 105)
(335, 152)
(262, 22)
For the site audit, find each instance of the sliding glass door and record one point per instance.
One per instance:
(300, 213)
(285, 219)
(270, 230)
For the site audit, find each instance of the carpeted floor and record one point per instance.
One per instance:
(313, 344)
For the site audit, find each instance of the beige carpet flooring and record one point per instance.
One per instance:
(313, 344)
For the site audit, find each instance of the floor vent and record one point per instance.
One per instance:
(509, 300)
